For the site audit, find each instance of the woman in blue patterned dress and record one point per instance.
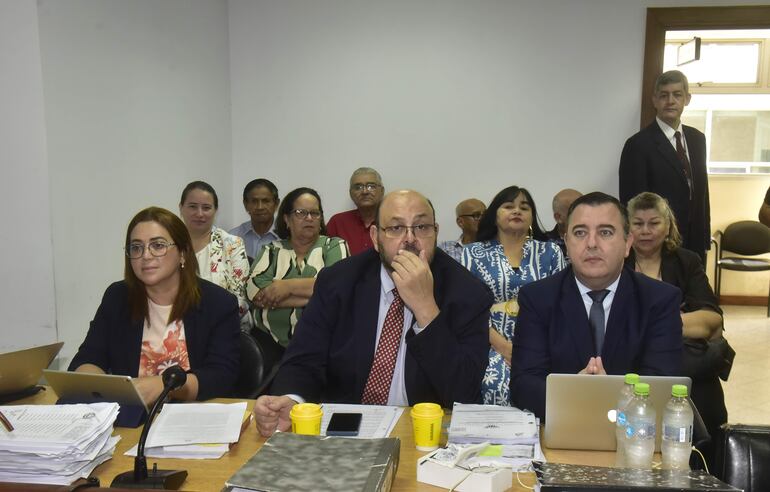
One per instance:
(512, 250)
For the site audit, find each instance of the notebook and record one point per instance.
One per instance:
(576, 407)
(20, 371)
(82, 387)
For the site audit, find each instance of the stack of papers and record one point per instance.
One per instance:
(56, 444)
(194, 430)
(513, 433)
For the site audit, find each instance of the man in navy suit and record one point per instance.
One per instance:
(440, 343)
(595, 317)
(669, 159)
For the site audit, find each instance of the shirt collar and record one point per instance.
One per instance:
(667, 130)
(584, 290)
(386, 282)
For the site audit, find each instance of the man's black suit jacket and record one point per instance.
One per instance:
(643, 334)
(331, 353)
(649, 163)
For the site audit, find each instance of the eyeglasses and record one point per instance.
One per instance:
(476, 216)
(157, 249)
(301, 213)
(359, 187)
(419, 230)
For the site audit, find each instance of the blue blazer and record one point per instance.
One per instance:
(643, 335)
(649, 163)
(331, 353)
(114, 340)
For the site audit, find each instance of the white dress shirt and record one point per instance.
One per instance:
(606, 304)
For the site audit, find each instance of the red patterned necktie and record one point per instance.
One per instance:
(380, 376)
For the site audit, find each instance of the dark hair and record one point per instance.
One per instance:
(189, 294)
(672, 77)
(256, 183)
(596, 198)
(287, 205)
(199, 185)
(488, 223)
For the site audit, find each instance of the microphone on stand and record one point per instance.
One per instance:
(174, 377)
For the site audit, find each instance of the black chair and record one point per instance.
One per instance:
(272, 353)
(252, 373)
(743, 457)
(745, 238)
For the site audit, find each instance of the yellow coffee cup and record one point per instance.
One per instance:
(306, 419)
(426, 420)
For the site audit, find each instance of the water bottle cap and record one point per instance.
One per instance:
(679, 391)
(642, 389)
(632, 378)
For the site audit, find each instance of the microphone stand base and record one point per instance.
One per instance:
(156, 479)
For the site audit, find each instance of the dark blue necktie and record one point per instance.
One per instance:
(596, 317)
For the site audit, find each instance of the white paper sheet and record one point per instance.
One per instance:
(197, 423)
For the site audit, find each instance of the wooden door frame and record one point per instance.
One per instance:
(660, 20)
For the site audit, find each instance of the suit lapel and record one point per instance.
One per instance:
(367, 308)
(574, 314)
(134, 339)
(621, 310)
(667, 151)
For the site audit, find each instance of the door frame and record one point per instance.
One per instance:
(660, 20)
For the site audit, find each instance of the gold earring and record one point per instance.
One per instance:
(531, 234)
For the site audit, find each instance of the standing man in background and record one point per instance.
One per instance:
(366, 191)
(260, 199)
(561, 203)
(468, 214)
(669, 159)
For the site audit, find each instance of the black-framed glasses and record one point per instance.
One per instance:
(359, 187)
(302, 213)
(157, 249)
(476, 216)
(419, 230)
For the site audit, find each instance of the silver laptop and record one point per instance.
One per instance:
(576, 407)
(82, 387)
(22, 369)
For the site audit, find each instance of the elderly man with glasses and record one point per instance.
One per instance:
(468, 214)
(366, 191)
(397, 325)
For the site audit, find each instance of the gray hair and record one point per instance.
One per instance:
(366, 170)
(672, 77)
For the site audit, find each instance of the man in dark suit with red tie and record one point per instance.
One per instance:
(399, 324)
(669, 159)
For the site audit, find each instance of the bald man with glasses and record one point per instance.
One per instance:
(468, 214)
(400, 324)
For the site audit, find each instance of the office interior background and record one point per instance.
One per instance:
(109, 106)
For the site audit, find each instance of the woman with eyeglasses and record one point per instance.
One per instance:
(221, 256)
(284, 272)
(511, 250)
(162, 314)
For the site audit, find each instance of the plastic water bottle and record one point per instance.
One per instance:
(640, 429)
(625, 397)
(677, 430)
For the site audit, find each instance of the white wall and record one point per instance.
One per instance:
(452, 98)
(26, 259)
(137, 105)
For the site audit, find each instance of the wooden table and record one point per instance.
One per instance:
(210, 475)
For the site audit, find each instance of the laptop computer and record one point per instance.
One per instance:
(83, 387)
(20, 371)
(576, 407)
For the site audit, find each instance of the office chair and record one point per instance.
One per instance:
(743, 456)
(252, 372)
(746, 238)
